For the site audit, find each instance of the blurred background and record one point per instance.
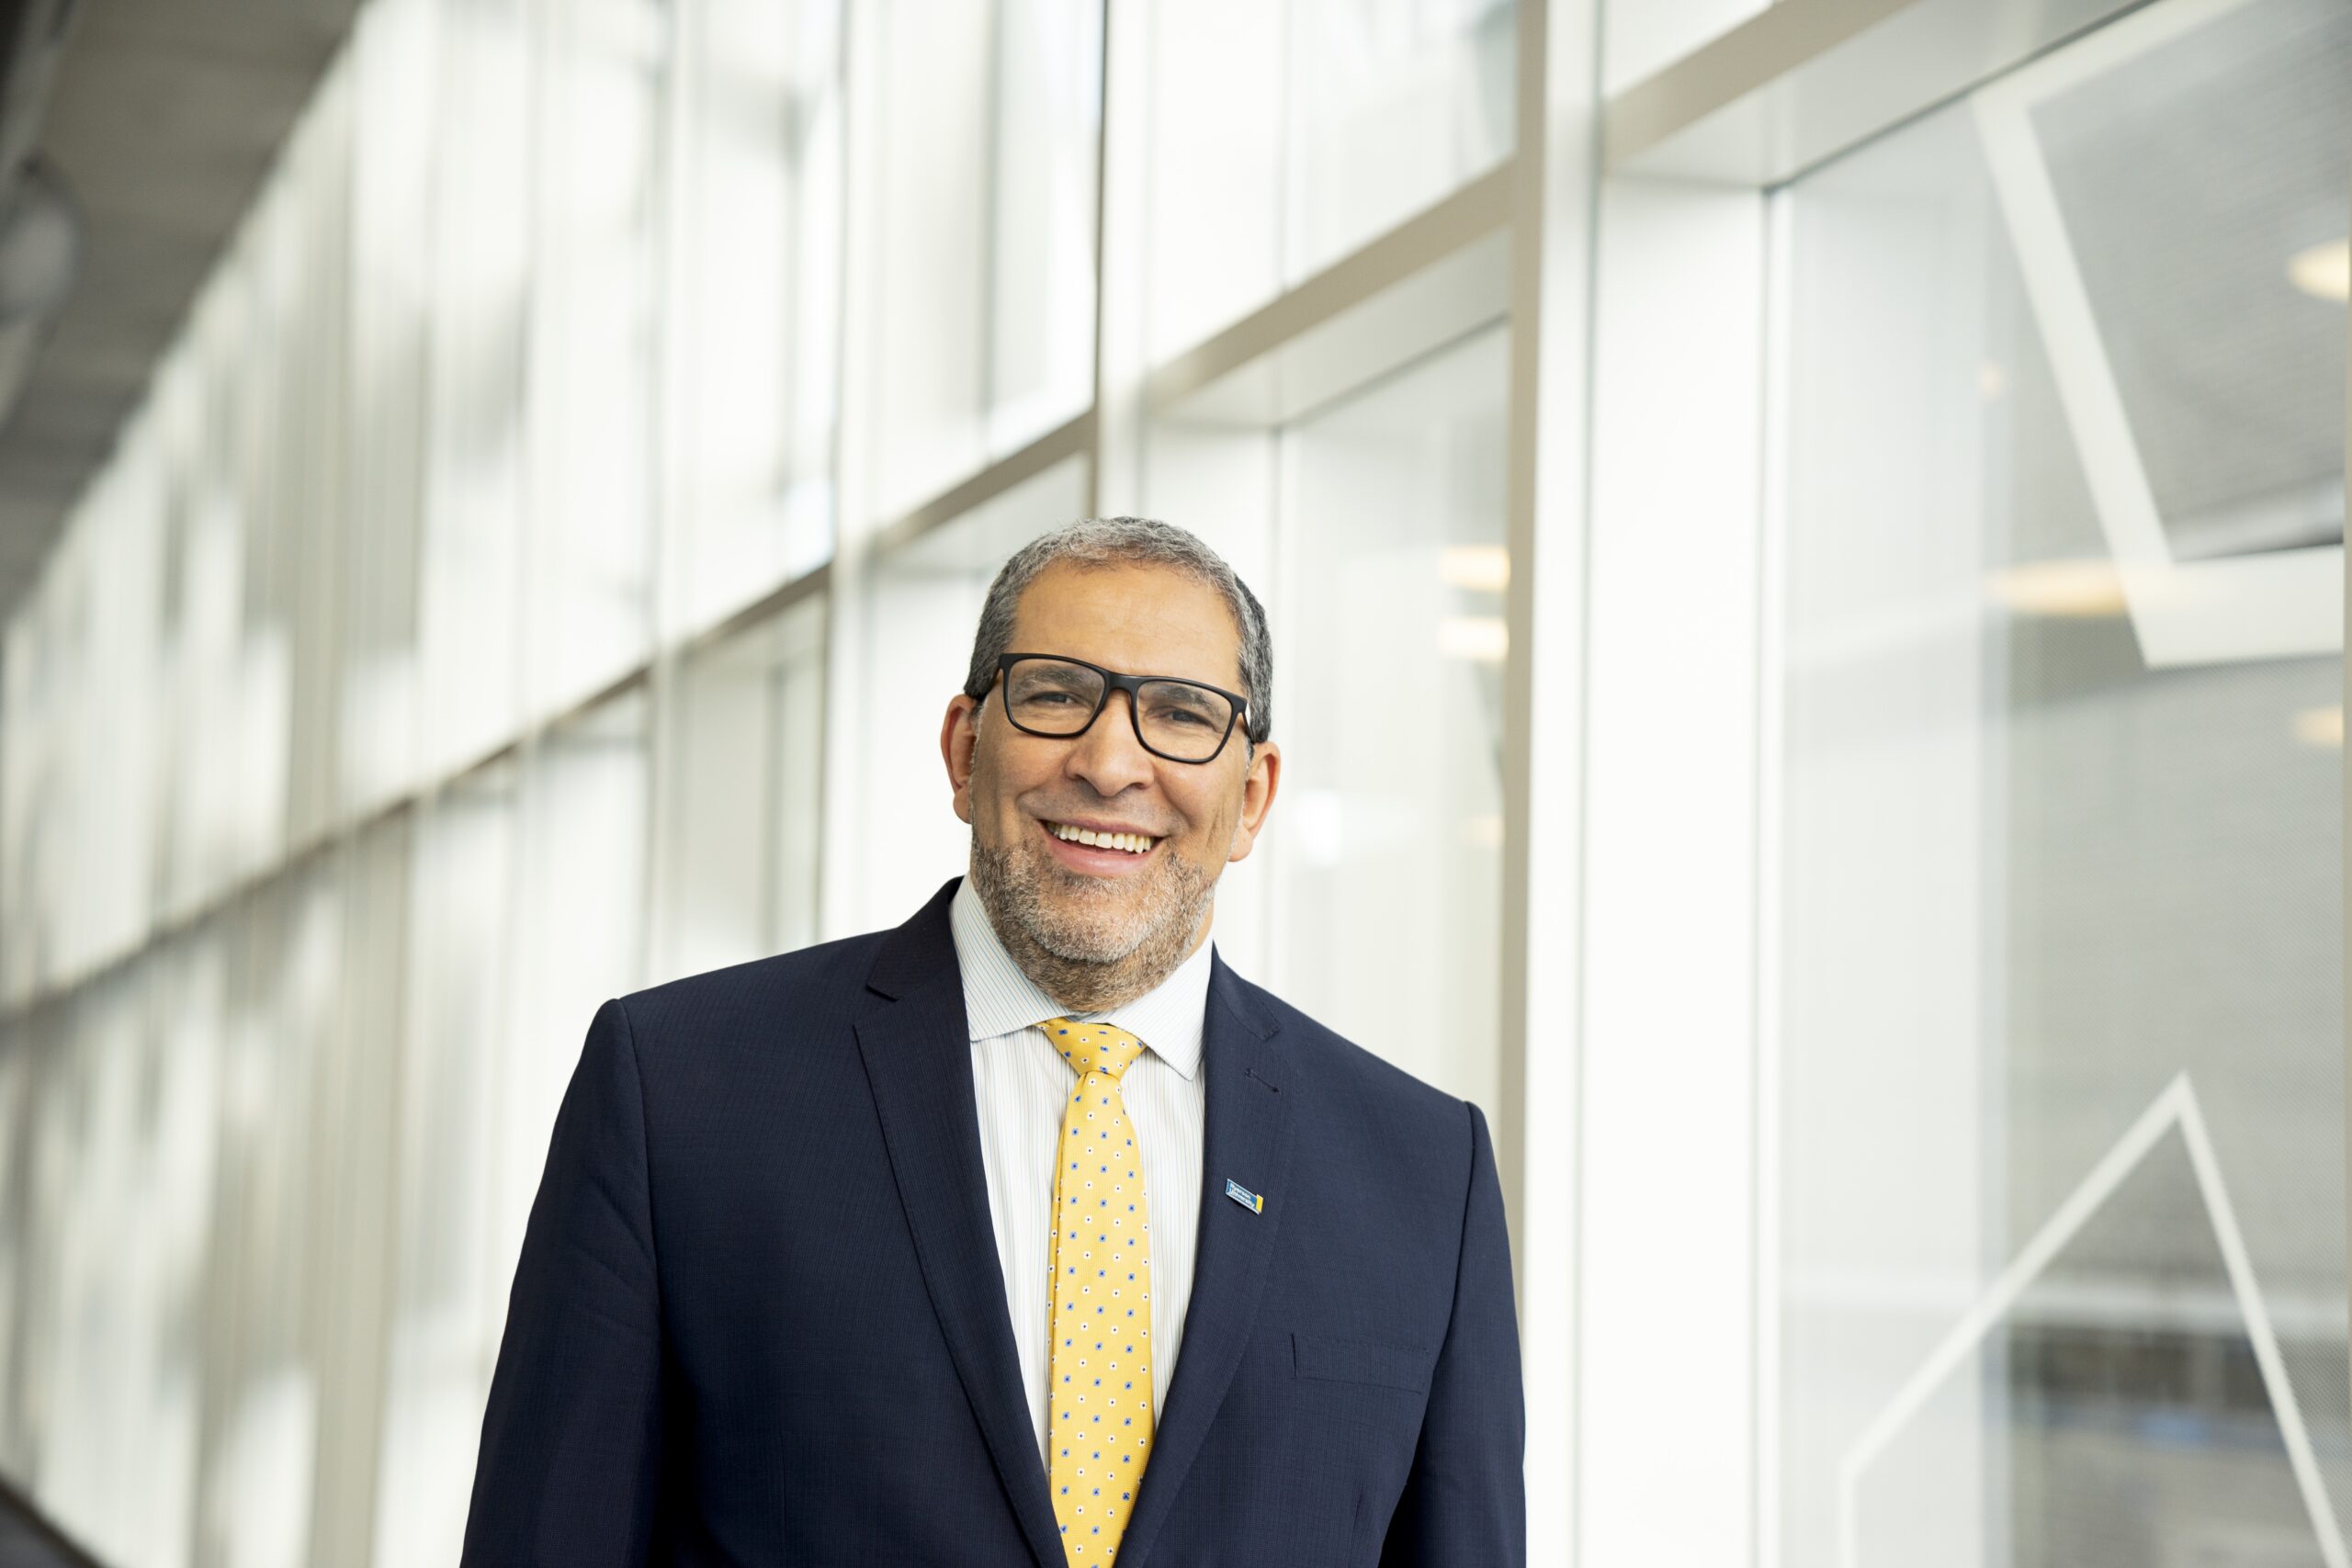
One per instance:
(494, 499)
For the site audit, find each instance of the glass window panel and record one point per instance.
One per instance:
(261, 1448)
(984, 330)
(592, 357)
(107, 811)
(314, 438)
(21, 1253)
(480, 257)
(579, 936)
(1392, 104)
(351, 1166)
(1383, 857)
(2062, 1266)
(1041, 260)
(244, 341)
(179, 1115)
(117, 1451)
(395, 69)
(441, 1342)
(1285, 136)
(25, 757)
(204, 580)
(755, 297)
(740, 768)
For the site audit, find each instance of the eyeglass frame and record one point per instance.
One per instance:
(1114, 682)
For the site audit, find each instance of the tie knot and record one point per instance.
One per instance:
(1093, 1047)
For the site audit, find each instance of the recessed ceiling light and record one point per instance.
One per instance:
(2068, 589)
(2324, 271)
(1486, 568)
(2321, 728)
(1481, 640)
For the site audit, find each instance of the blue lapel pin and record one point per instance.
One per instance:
(1253, 1201)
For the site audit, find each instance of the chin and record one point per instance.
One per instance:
(1088, 944)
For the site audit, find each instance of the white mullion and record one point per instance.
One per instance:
(2344, 688)
(1122, 228)
(856, 450)
(1552, 175)
(1664, 1320)
(1770, 720)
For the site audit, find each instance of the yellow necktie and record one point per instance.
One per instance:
(1098, 1410)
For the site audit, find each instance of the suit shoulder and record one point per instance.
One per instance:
(1350, 1076)
(808, 981)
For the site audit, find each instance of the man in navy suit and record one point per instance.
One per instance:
(797, 1285)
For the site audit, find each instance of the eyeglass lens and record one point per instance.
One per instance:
(1178, 719)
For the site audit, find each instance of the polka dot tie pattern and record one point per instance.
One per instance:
(1099, 1415)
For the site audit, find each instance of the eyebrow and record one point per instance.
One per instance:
(1141, 674)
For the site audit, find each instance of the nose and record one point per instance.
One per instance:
(1109, 756)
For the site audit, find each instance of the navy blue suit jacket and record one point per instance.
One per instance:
(759, 1318)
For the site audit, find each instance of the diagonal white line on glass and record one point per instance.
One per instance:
(2176, 1107)
(2183, 613)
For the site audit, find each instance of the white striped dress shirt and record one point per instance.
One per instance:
(1023, 1086)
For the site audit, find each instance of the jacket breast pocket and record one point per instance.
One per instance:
(1360, 1360)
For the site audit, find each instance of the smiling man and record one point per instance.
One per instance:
(1026, 1232)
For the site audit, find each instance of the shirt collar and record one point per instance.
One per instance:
(1000, 998)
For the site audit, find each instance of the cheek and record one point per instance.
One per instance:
(1210, 815)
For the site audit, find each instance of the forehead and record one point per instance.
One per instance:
(1145, 620)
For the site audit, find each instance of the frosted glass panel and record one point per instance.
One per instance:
(741, 768)
(525, 349)
(579, 935)
(594, 370)
(984, 242)
(395, 66)
(1041, 264)
(445, 1292)
(1384, 853)
(756, 296)
(254, 1504)
(2062, 1270)
(1284, 136)
(471, 563)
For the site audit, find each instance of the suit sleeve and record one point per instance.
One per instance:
(1465, 1504)
(572, 1437)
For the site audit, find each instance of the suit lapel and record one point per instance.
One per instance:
(917, 1049)
(1247, 1139)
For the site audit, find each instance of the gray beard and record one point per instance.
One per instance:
(1096, 954)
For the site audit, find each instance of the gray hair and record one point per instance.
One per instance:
(1108, 541)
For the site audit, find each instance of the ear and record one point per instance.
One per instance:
(959, 737)
(1258, 786)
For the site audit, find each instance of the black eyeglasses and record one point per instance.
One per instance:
(1183, 721)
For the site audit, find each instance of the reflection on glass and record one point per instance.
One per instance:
(445, 1292)
(1286, 135)
(478, 328)
(1391, 106)
(984, 336)
(2061, 1276)
(741, 768)
(592, 348)
(754, 296)
(579, 935)
(1385, 850)
(261, 1449)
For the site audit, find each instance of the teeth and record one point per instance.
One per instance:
(1134, 843)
